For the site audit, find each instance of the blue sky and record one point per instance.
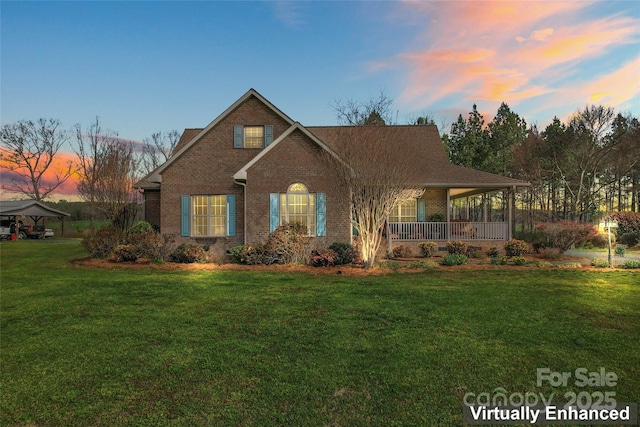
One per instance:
(144, 67)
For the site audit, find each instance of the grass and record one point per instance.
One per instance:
(87, 346)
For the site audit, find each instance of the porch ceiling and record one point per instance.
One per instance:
(457, 193)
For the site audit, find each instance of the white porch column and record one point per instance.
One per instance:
(510, 201)
(448, 233)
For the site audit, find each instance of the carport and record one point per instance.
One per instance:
(16, 209)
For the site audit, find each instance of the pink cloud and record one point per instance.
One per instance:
(509, 51)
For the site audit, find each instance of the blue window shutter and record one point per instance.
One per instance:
(274, 211)
(231, 214)
(321, 214)
(237, 136)
(268, 135)
(185, 216)
(421, 210)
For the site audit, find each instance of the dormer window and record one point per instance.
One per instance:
(252, 136)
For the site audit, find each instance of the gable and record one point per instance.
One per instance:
(250, 109)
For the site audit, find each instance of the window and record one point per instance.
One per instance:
(253, 137)
(406, 211)
(209, 216)
(298, 206)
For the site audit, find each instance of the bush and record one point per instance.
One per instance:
(598, 241)
(402, 251)
(630, 238)
(628, 222)
(235, 254)
(436, 217)
(125, 253)
(101, 242)
(516, 248)
(253, 254)
(620, 250)
(151, 244)
(428, 249)
(423, 264)
(493, 252)
(631, 263)
(322, 258)
(570, 265)
(457, 248)
(565, 234)
(393, 265)
(600, 263)
(188, 253)
(519, 260)
(502, 260)
(140, 227)
(454, 259)
(345, 253)
(287, 243)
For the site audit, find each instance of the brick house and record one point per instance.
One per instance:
(254, 168)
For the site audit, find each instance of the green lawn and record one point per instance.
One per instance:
(88, 346)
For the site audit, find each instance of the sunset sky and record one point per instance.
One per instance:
(144, 67)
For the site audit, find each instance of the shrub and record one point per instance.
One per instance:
(620, 250)
(630, 238)
(436, 217)
(541, 264)
(423, 264)
(252, 254)
(125, 253)
(428, 249)
(345, 253)
(140, 227)
(287, 243)
(454, 259)
(322, 258)
(600, 263)
(565, 234)
(628, 222)
(539, 247)
(597, 241)
(100, 242)
(402, 251)
(188, 253)
(493, 252)
(235, 254)
(393, 265)
(151, 244)
(516, 248)
(519, 260)
(502, 260)
(569, 265)
(631, 263)
(457, 248)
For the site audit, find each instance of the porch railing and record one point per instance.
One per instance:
(409, 231)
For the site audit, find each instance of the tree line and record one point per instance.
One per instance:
(579, 170)
(105, 166)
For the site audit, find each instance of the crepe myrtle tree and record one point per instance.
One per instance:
(28, 150)
(375, 174)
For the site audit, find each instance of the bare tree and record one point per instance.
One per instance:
(115, 195)
(28, 150)
(107, 169)
(376, 111)
(375, 171)
(91, 148)
(158, 149)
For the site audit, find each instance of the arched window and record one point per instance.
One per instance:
(298, 206)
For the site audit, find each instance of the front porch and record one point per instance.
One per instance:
(468, 214)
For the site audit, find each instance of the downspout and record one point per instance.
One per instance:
(244, 210)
